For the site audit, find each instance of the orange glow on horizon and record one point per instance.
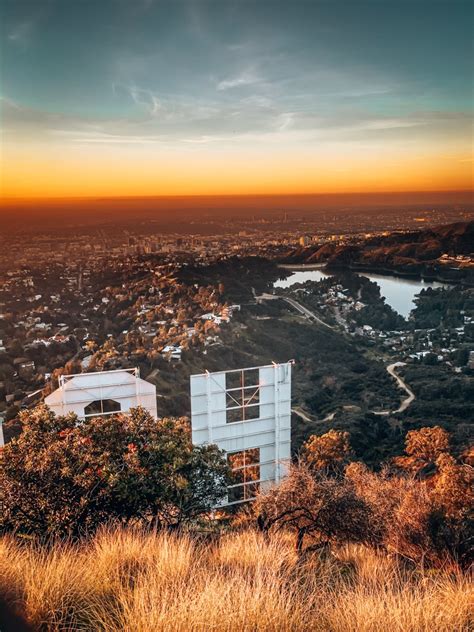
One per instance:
(54, 172)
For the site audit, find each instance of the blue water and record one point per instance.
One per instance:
(399, 292)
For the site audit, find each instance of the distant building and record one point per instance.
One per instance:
(172, 352)
(102, 393)
(24, 367)
(305, 240)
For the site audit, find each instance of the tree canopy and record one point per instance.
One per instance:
(325, 499)
(63, 476)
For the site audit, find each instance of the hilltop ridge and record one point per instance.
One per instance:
(443, 251)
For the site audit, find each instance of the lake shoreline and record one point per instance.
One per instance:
(301, 266)
(409, 275)
(399, 291)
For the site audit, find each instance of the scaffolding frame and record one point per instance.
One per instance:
(78, 390)
(212, 398)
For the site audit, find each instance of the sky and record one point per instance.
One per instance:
(197, 97)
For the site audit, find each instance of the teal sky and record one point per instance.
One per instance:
(223, 72)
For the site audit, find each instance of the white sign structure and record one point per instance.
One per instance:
(102, 393)
(246, 413)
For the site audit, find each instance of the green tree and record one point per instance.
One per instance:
(63, 476)
(330, 451)
(422, 449)
(427, 443)
(460, 357)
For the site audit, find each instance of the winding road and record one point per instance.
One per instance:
(391, 370)
(401, 384)
(299, 413)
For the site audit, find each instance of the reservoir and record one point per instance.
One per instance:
(399, 292)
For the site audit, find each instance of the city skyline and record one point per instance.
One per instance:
(237, 98)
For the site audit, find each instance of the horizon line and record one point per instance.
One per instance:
(228, 195)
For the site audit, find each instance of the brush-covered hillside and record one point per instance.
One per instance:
(443, 250)
(124, 579)
(108, 525)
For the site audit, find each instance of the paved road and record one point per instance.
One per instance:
(299, 308)
(299, 413)
(306, 312)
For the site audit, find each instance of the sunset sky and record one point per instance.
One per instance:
(153, 97)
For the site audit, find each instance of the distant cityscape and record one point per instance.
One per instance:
(115, 293)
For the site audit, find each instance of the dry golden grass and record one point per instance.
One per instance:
(126, 580)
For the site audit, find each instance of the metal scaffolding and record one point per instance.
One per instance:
(243, 410)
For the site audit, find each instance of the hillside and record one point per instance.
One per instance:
(137, 581)
(444, 251)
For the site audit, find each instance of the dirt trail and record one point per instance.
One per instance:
(391, 369)
(401, 384)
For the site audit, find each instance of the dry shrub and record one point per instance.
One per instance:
(422, 448)
(48, 585)
(374, 567)
(119, 554)
(312, 503)
(427, 443)
(397, 605)
(136, 581)
(453, 487)
(234, 584)
(251, 551)
(422, 520)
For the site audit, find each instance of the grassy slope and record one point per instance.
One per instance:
(125, 580)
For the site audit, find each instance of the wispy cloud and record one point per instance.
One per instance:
(361, 92)
(168, 122)
(258, 100)
(97, 137)
(21, 33)
(246, 78)
(389, 123)
(285, 121)
(141, 96)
